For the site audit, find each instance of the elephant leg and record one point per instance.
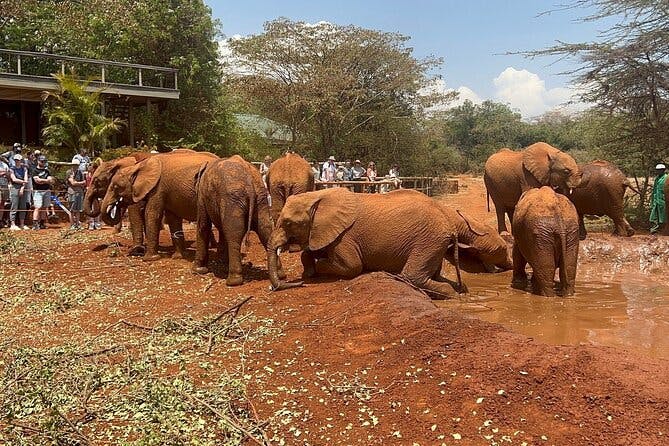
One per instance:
(622, 226)
(509, 212)
(154, 222)
(222, 249)
(543, 276)
(175, 225)
(342, 261)
(423, 267)
(137, 227)
(233, 226)
(202, 243)
(582, 232)
(263, 226)
(519, 278)
(308, 264)
(501, 219)
(568, 277)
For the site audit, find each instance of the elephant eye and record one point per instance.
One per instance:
(566, 170)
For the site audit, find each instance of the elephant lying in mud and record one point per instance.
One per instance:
(343, 234)
(166, 183)
(98, 188)
(602, 192)
(508, 174)
(545, 230)
(232, 197)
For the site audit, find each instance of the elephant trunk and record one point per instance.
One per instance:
(111, 210)
(91, 205)
(278, 240)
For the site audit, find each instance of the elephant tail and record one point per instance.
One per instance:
(251, 193)
(627, 183)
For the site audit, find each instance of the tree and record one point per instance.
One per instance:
(74, 119)
(624, 74)
(341, 89)
(174, 33)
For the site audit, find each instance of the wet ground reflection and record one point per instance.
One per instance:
(623, 309)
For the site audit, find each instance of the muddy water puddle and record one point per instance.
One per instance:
(622, 309)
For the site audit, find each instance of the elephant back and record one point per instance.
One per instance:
(602, 188)
(503, 177)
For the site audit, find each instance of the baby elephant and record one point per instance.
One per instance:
(545, 231)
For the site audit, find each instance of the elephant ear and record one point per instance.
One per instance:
(333, 212)
(145, 177)
(537, 159)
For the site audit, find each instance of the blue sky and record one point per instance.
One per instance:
(470, 35)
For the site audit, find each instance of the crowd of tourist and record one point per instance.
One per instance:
(27, 183)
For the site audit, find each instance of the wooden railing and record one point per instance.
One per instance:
(34, 64)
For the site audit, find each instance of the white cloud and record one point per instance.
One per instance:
(439, 86)
(527, 92)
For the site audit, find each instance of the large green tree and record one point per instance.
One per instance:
(340, 89)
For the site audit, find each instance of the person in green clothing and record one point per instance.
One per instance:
(658, 213)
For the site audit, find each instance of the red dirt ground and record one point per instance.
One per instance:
(371, 360)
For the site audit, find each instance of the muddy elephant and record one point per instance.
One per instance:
(232, 197)
(601, 192)
(343, 234)
(166, 183)
(289, 175)
(481, 248)
(545, 231)
(508, 174)
(98, 188)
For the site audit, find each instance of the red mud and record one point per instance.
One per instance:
(372, 361)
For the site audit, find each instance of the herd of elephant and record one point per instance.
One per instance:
(344, 233)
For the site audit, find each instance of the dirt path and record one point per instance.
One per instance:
(367, 361)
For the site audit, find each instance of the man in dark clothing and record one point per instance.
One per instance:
(42, 182)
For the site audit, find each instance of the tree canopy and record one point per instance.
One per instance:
(340, 89)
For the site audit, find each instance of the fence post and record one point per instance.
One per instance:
(18, 64)
(140, 77)
(103, 74)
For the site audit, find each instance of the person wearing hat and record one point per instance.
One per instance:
(658, 211)
(358, 173)
(8, 156)
(18, 175)
(42, 183)
(329, 170)
(4, 191)
(76, 182)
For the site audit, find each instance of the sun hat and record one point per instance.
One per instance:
(358, 161)
(18, 158)
(660, 166)
(332, 158)
(17, 145)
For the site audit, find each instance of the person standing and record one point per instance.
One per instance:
(18, 174)
(264, 168)
(83, 159)
(76, 181)
(658, 212)
(4, 191)
(8, 157)
(371, 175)
(42, 182)
(329, 171)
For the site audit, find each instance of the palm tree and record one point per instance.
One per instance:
(73, 117)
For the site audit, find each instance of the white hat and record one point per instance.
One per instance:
(332, 158)
(17, 144)
(18, 157)
(660, 167)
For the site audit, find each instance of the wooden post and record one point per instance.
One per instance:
(103, 74)
(18, 64)
(23, 123)
(140, 77)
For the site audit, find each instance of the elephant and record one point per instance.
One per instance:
(166, 182)
(508, 174)
(343, 233)
(481, 248)
(601, 192)
(232, 197)
(545, 230)
(288, 176)
(98, 188)
(479, 244)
